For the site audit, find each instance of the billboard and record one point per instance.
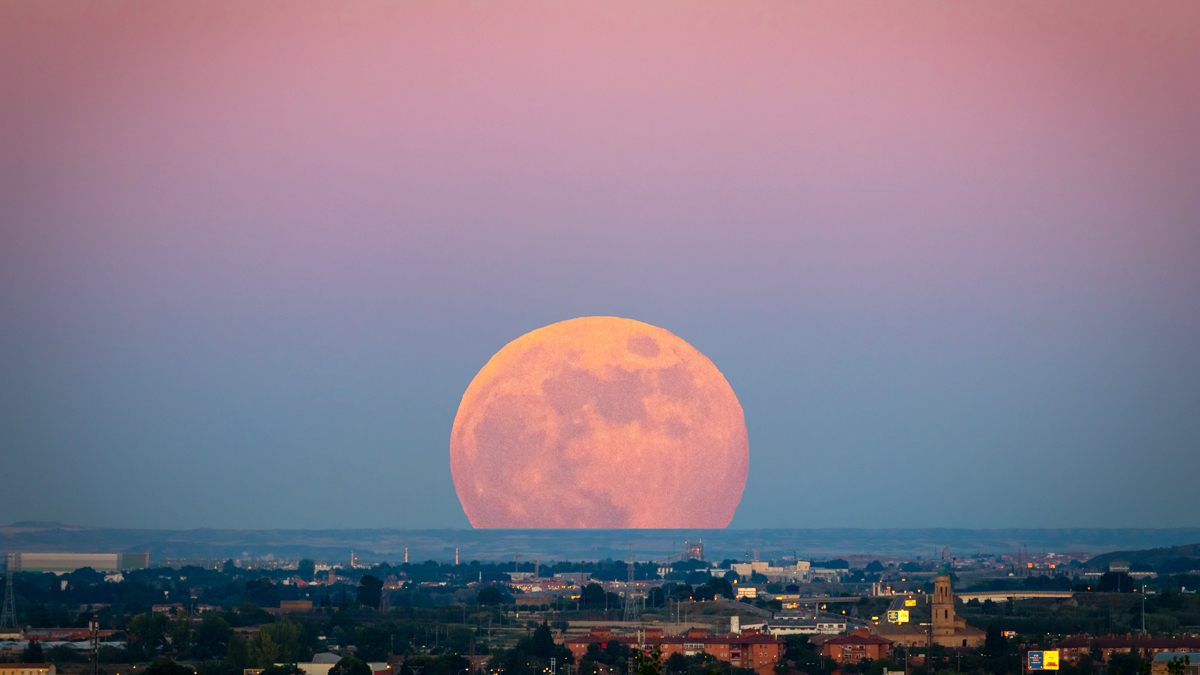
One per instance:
(897, 616)
(910, 602)
(1045, 660)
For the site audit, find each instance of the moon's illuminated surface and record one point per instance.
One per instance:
(599, 422)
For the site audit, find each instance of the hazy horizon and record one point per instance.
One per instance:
(377, 545)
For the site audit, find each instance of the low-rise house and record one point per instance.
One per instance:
(857, 647)
(1075, 647)
(750, 649)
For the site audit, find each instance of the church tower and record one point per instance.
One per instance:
(943, 608)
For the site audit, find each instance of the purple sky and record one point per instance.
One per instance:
(947, 254)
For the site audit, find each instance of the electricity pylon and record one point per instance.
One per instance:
(8, 618)
(631, 607)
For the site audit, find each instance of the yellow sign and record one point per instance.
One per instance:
(911, 602)
(897, 616)
(1050, 660)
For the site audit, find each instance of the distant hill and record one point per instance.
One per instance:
(1169, 560)
(40, 526)
(375, 545)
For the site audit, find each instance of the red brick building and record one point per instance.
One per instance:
(857, 647)
(1073, 648)
(753, 650)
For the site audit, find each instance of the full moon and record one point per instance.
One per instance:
(599, 422)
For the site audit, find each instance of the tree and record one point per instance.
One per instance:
(374, 643)
(350, 666)
(237, 654)
(276, 643)
(283, 669)
(167, 667)
(592, 596)
(459, 639)
(262, 592)
(656, 598)
(722, 587)
(147, 634)
(370, 590)
(490, 596)
(306, 569)
(1126, 664)
(212, 638)
(1178, 666)
(33, 653)
(181, 633)
(542, 642)
(681, 592)
(215, 668)
(649, 664)
(994, 644)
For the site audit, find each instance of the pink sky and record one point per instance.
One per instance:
(918, 196)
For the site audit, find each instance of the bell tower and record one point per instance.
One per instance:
(943, 607)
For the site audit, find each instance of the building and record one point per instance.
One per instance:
(1159, 665)
(27, 669)
(534, 585)
(805, 625)
(1073, 648)
(826, 574)
(64, 563)
(535, 600)
(788, 574)
(324, 662)
(948, 629)
(1006, 596)
(749, 649)
(857, 647)
(64, 634)
(574, 578)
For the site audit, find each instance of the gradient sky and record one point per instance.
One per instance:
(946, 253)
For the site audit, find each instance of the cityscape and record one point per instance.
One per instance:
(1120, 611)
